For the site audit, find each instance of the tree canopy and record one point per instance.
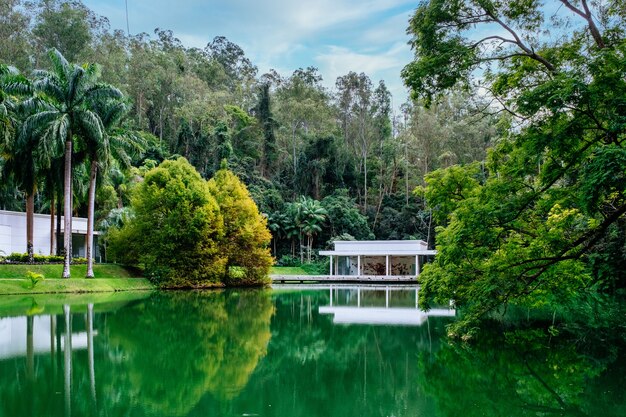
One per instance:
(530, 223)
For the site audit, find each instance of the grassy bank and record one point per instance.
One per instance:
(288, 270)
(56, 271)
(108, 278)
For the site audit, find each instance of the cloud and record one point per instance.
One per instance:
(336, 35)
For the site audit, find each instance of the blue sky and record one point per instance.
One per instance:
(335, 36)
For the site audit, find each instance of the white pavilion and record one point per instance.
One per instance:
(378, 258)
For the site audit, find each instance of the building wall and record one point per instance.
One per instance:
(13, 234)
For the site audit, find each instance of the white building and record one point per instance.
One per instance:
(13, 234)
(381, 258)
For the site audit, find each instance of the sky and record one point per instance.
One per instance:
(336, 36)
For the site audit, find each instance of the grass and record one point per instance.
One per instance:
(288, 270)
(108, 278)
(56, 271)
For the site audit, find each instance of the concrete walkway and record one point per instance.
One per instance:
(344, 278)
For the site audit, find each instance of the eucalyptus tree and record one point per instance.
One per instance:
(67, 113)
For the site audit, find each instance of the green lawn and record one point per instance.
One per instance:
(56, 271)
(288, 270)
(109, 278)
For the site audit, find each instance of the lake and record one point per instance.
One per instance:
(293, 351)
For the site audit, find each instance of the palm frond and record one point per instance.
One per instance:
(90, 125)
(102, 91)
(60, 66)
(50, 87)
(76, 82)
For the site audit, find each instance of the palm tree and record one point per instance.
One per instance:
(70, 92)
(19, 147)
(116, 143)
(313, 215)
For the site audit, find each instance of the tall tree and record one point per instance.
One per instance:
(67, 112)
(268, 124)
(116, 143)
(525, 227)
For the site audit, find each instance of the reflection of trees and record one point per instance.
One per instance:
(314, 367)
(178, 347)
(523, 373)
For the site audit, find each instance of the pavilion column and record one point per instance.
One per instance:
(387, 265)
(358, 265)
(417, 265)
(331, 265)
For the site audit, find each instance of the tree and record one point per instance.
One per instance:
(267, 122)
(24, 155)
(175, 230)
(116, 143)
(344, 216)
(311, 217)
(522, 228)
(246, 237)
(69, 93)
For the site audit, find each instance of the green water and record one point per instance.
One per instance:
(285, 353)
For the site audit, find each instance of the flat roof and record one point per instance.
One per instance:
(379, 252)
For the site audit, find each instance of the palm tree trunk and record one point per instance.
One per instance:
(58, 231)
(53, 240)
(90, 217)
(67, 207)
(30, 218)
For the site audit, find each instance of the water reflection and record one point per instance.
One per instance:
(235, 353)
(379, 305)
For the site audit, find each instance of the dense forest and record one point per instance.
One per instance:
(320, 162)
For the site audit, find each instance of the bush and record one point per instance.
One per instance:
(288, 260)
(39, 259)
(317, 268)
(175, 229)
(246, 237)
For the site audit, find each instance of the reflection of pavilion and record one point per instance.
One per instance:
(14, 336)
(26, 336)
(364, 305)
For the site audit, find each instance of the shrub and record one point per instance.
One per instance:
(246, 236)
(40, 259)
(174, 230)
(33, 278)
(288, 260)
(317, 268)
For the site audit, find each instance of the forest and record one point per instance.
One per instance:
(320, 163)
(508, 158)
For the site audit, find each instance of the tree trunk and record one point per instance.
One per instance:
(67, 207)
(30, 218)
(90, 217)
(58, 232)
(52, 235)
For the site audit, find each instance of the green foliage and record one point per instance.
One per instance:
(175, 230)
(532, 224)
(37, 258)
(32, 279)
(245, 239)
(344, 216)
